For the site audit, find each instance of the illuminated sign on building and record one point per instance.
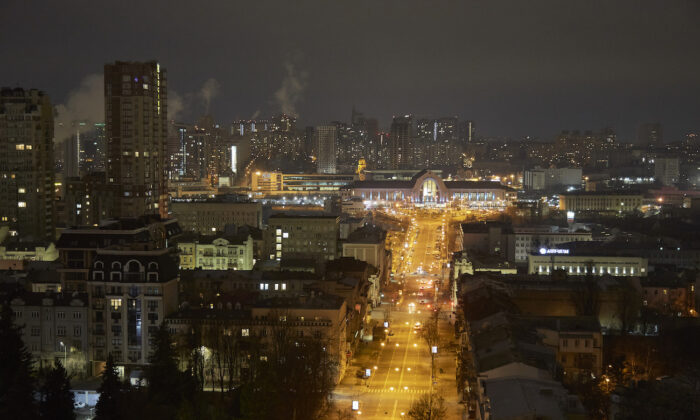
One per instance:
(549, 251)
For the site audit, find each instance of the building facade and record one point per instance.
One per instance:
(213, 215)
(229, 252)
(606, 201)
(581, 265)
(55, 328)
(131, 292)
(426, 187)
(136, 116)
(326, 137)
(302, 236)
(27, 163)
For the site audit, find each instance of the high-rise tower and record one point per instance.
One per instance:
(400, 150)
(136, 131)
(26, 163)
(325, 137)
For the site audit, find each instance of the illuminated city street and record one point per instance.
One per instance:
(400, 365)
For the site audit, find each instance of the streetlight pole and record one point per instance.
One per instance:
(64, 353)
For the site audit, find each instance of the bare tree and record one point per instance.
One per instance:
(428, 407)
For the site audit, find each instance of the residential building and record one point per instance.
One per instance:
(212, 215)
(400, 143)
(16, 255)
(544, 179)
(368, 244)
(136, 116)
(667, 170)
(78, 246)
(326, 137)
(305, 235)
(27, 163)
(256, 325)
(131, 292)
(216, 252)
(55, 328)
(650, 135)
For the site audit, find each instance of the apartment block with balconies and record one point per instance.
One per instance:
(131, 292)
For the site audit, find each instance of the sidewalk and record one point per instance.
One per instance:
(446, 368)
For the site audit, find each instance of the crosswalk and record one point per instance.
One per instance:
(379, 390)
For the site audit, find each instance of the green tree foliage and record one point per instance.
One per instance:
(56, 397)
(16, 372)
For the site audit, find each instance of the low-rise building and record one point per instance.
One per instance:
(16, 255)
(255, 327)
(55, 327)
(212, 215)
(612, 202)
(550, 260)
(221, 252)
(302, 235)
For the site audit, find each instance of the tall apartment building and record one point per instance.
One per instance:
(650, 134)
(400, 150)
(26, 163)
(136, 129)
(667, 169)
(326, 137)
(131, 291)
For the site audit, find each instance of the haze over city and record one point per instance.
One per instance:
(339, 210)
(520, 69)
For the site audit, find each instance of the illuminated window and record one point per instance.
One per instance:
(285, 235)
(278, 232)
(21, 190)
(116, 304)
(245, 332)
(28, 147)
(19, 147)
(21, 204)
(284, 286)
(279, 247)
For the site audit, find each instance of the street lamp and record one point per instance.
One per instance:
(64, 353)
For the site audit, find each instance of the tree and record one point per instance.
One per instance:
(56, 397)
(16, 371)
(428, 407)
(163, 374)
(109, 405)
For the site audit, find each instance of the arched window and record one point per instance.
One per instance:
(133, 266)
(116, 265)
(153, 266)
(99, 265)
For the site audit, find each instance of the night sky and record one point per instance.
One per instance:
(515, 67)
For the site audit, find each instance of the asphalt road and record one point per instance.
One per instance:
(401, 365)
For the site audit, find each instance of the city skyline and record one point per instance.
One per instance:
(516, 71)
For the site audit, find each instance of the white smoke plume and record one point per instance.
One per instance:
(176, 104)
(255, 115)
(84, 104)
(209, 90)
(292, 90)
